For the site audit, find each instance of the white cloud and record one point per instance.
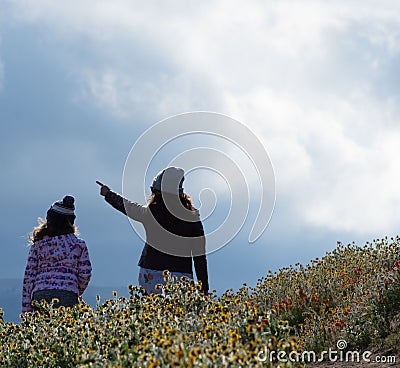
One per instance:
(336, 161)
(127, 95)
(311, 78)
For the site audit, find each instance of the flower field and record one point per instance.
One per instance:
(352, 293)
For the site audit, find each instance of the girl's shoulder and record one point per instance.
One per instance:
(59, 239)
(74, 238)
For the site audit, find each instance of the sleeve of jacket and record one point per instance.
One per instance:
(29, 280)
(199, 255)
(84, 269)
(133, 210)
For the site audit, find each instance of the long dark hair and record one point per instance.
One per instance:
(59, 225)
(157, 197)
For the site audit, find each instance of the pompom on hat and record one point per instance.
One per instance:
(169, 180)
(64, 207)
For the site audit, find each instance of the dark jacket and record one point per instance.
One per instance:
(171, 242)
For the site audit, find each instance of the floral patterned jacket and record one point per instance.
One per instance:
(60, 262)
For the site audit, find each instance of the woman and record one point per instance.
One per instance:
(174, 232)
(58, 265)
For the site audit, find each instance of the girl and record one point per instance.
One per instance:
(58, 263)
(174, 232)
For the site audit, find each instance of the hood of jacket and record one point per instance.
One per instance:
(56, 248)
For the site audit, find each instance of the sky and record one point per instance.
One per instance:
(316, 82)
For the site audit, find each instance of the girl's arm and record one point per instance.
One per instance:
(29, 280)
(84, 269)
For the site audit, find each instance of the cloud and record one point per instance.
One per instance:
(127, 95)
(315, 81)
(51, 166)
(335, 161)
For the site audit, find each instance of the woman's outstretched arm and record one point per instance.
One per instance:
(134, 210)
